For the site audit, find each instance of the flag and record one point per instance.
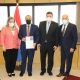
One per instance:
(17, 16)
(18, 22)
(0, 38)
(19, 55)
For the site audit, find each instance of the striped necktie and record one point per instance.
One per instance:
(28, 31)
(63, 31)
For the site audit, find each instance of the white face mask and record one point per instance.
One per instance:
(49, 19)
(65, 21)
(11, 24)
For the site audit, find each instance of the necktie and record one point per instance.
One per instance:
(28, 31)
(47, 27)
(63, 31)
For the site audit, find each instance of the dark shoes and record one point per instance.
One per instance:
(62, 74)
(50, 73)
(29, 74)
(42, 73)
(21, 74)
(11, 74)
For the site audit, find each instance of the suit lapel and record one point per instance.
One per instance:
(25, 29)
(44, 28)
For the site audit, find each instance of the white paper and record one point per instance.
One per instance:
(29, 42)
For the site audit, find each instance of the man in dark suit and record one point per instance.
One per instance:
(68, 40)
(28, 30)
(48, 42)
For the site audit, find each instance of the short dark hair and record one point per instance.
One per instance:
(49, 13)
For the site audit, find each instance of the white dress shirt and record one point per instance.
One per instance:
(64, 26)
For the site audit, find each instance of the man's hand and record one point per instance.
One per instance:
(24, 39)
(71, 50)
(38, 45)
(34, 45)
(55, 47)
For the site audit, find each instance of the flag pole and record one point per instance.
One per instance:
(18, 63)
(17, 1)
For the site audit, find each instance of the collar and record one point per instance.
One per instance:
(66, 25)
(28, 25)
(48, 22)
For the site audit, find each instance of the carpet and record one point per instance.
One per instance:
(71, 77)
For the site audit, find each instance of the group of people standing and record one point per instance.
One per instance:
(48, 36)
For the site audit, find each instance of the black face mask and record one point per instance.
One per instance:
(28, 21)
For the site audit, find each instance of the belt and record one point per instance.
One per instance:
(45, 41)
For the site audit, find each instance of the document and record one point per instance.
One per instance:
(29, 42)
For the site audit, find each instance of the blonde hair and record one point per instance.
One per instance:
(9, 20)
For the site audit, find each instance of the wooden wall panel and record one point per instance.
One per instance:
(42, 1)
(65, 0)
(26, 1)
(75, 59)
(57, 57)
(37, 56)
(9, 1)
(75, 64)
(78, 19)
(1, 1)
(1, 56)
(37, 1)
(79, 57)
(78, 28)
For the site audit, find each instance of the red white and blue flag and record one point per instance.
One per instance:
(18, 23)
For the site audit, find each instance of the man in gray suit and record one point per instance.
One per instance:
(68, 41)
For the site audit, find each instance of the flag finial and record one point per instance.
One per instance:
(17, 1)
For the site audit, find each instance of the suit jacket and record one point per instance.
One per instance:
(52, 36)
(69, 40)
(33, 32)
